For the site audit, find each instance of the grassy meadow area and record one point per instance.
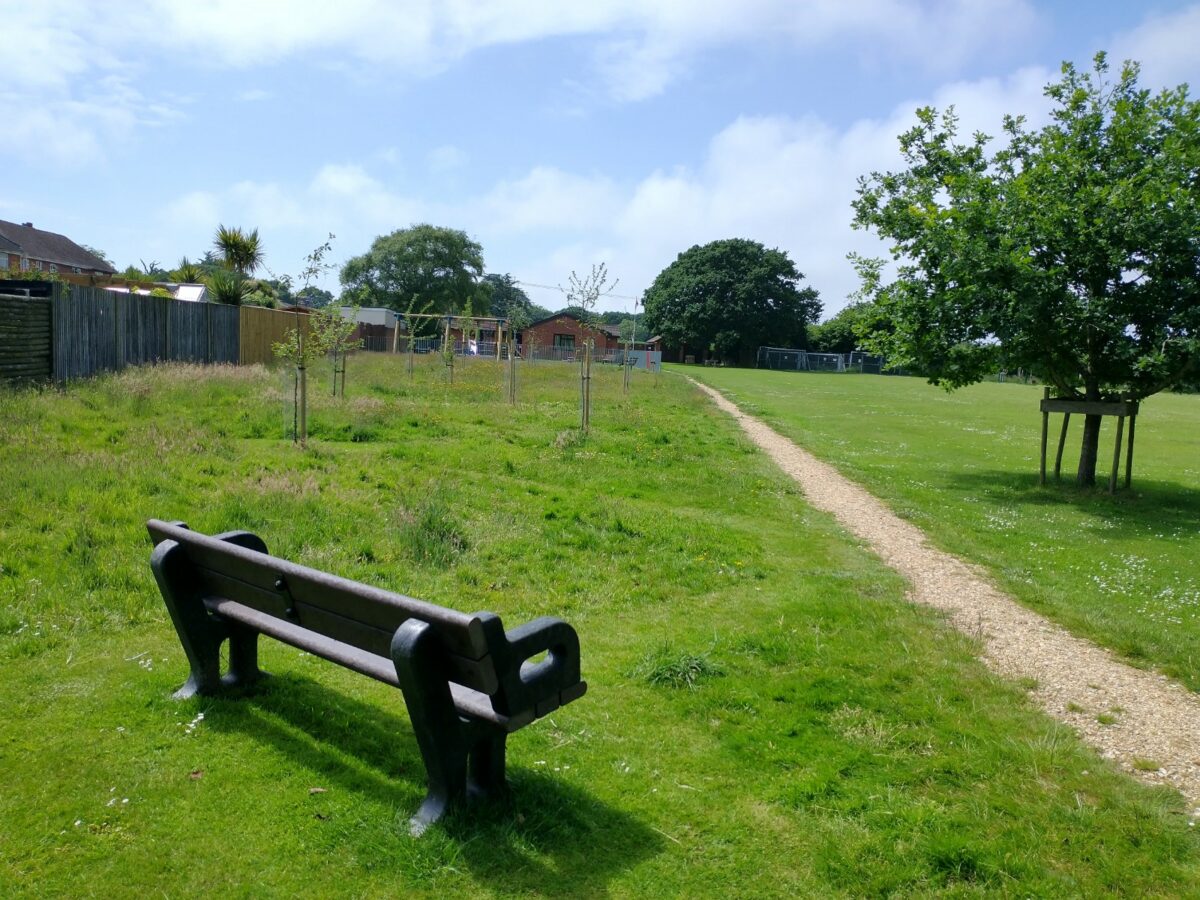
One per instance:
(766, 715)
(1119, 569)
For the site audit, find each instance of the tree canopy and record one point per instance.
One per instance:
(1071, 252)
(506, 300)
(841, 333)
(313, 296)
(438, 268)
(731, 296)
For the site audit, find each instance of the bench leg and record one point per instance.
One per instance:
(243, 658)
(441, 734)
(199, 633)
(243, 642)
(486, 779)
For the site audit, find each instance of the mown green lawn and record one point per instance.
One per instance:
(766, 716)
(1120, 569)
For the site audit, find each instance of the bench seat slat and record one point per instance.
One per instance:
(257, 573)
(469, 703)
(479, 674)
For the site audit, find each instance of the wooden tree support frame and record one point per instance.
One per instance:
(1122, 409)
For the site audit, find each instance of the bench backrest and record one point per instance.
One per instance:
(362, 616)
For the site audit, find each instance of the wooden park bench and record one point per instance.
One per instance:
(466, 681)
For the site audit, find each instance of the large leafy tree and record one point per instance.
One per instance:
(731, 296)
(435, 268)
(841, 333)
(313, 296)
(1071, 252)
(506, 300)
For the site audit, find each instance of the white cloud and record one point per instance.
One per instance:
(342, 198)
(72, 66)
(69, 129)
(786, 182)
(194, 207)
(446, 158)
(641, 46)
(1165, 45)
(548, 199)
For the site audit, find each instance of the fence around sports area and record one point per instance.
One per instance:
(796, 360)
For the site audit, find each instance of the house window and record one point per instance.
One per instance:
(77, 270)
(53, 268)
(24, 263)
(564, 341)
(3, 260)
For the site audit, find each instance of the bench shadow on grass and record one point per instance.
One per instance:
(1160, 507)
(547, 836)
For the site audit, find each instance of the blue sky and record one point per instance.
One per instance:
(558, 135)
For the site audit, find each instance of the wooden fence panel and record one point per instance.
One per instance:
(224, 324)
(25, 338)
(261, 328)
(189, 332)
(86, 332)
(146, 320)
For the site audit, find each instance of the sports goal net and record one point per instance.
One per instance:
(800, 360)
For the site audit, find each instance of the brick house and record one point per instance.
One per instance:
(25, 248)
(564, 333)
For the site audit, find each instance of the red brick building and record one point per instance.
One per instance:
(24, 248)
(564, 334)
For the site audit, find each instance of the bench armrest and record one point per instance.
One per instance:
(536, 684)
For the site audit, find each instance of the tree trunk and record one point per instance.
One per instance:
(1086, 476)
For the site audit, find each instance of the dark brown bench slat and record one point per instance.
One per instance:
(470, 703)
(374, 606)
(478, 674)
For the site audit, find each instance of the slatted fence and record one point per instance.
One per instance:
(262, 328)
(25, 338)
(77, 331)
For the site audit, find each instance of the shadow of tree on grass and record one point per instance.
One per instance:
(1148, 506)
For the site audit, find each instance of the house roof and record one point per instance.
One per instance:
(614, 330)
(51, 247)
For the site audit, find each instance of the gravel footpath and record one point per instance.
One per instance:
(1155, 722)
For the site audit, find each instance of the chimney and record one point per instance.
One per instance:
(27, 224)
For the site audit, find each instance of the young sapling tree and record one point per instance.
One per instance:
(300, 348)
(585, 293)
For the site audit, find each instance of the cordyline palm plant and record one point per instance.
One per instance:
(240, 250)
(187, 273)
(227, 286)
